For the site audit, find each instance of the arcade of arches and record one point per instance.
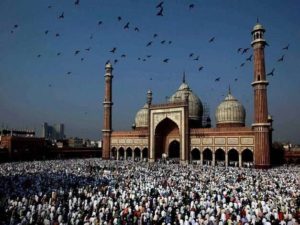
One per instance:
(204, 157)
(222, 158)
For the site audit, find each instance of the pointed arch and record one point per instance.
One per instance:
(128, 153)
(247, 157)
(121, 153)
(137, 154)
(233, 157)
(195, 153)
(207, 156)
(165, 132)
(113, 153)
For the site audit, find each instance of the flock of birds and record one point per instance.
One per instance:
(114, 51)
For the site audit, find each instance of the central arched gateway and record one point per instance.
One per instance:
(167, 139)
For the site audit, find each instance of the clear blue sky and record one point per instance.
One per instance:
(37, 89)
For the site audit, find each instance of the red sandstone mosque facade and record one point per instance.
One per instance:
(175, 130)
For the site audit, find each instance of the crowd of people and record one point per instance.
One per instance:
(93, 191)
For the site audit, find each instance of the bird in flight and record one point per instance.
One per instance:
(39, 55)
(245, 50)
(46, 32)
(166, 60)
(99, 23)
(249, 58)
(235, 79)
(119, 18)
(113, 50)
(271, 73)
(136, 29)
(286, 47)
(57, 35)
(191, 6)
(191, 55)
(115, 61)
(76, 52)
(155, 35)
(160, 5)
(170, 42)
(49, 85)
(58, 54)
(239, 50)
(49, 6)
(149, 43)
(217, 79)
(16, 26)
(197, 58)
(149, 56)
(81, 59)
(88, 49)
(61, 16)
(123, 56)
(76, 2)
(126, 25)
(211, 40)
(160, 12)
(91, 36)
(242, 64)
(200, 68)
(69, 72)
(162, 42)
(280, 59)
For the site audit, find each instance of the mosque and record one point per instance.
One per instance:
(176, 130)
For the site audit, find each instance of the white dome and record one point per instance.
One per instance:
(195, 105)
(230, 111)
(141, 118)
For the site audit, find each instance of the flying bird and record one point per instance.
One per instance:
(39, 55)
(81, 59)
(46, 32)
(149, 56)
(113, 50)
(136, 29)
(160, 5)
(245, 50)
(91, 36)
(239, 50)
(162, 42)
(235, 79)
(76, 52)
(271, 73)
(170, 42)
(166, 60)
(197, 58)
(149, 43)
(115, 61)
(49, 6)
(57, 35)
(58, 54)
(280, 59)
(191, 55)
(160, 12)
(126, 25)
(119, 18)
(61, 16)
(286, 47)
(217, 79)
(76, 2)
(200, 68)
(211, 40)
(88, 49)
(155, 35)
(16, 26)
(249, 58)
(242, 64)
(123, 56)
(191, 6)
(99, 23)
(69, 72)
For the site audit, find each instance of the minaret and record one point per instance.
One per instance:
(107, 114)
(261, 124)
